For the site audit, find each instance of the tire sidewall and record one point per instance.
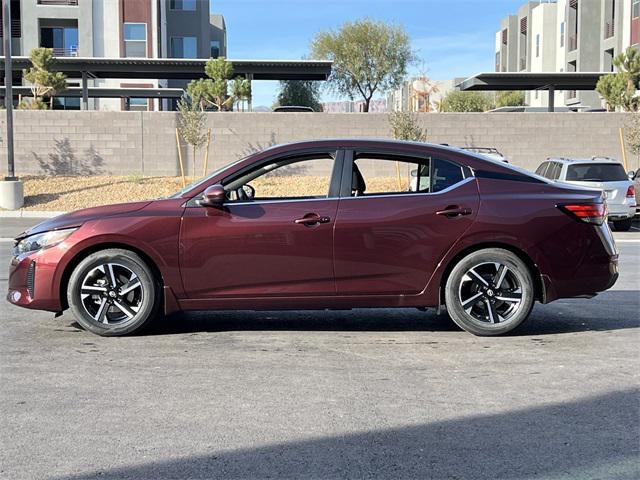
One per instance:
(515, 264)
(135, 264)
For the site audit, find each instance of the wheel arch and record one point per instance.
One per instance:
(82, 254)
(538, 281)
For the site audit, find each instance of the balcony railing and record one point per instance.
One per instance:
(70, 3)
(65, 52)
(573, 42)
(609, 30)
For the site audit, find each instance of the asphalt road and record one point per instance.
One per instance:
(358, 394)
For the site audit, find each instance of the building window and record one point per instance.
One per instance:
(137, 104)
(189, 5)
(635, 9)
(538, 45)
(135, 40)
(562, 34)
(63, 40)
(184, 47)
(215, 49)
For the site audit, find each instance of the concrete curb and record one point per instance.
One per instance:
(28, 214)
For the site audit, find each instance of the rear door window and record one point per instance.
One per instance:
(382, 174)
(596, 172)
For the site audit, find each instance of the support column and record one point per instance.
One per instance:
(250, 100)
(8, 84)
(85, 92)
(552, 98)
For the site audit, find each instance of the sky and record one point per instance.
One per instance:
(453, 38)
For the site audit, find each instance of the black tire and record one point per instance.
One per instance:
(623, 225)
(506, 305)
(122, 309)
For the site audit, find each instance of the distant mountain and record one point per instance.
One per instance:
(261, 108)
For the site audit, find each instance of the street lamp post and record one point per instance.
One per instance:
(11, 189)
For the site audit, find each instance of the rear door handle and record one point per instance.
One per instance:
(453, 211)
(311, 219)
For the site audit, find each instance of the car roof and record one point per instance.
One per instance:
(350, 142)
(571, 161)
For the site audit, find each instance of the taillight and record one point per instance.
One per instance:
(594, 213)
(631, 191)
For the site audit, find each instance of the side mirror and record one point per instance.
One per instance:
(631, 174)
(214, 196)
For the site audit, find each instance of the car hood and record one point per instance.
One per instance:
(77, 218)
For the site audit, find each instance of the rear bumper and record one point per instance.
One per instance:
(595, 269)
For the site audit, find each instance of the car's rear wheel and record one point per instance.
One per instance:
(623, 225)
(489, 292)
(113, 292)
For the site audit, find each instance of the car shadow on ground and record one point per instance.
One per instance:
(594, 437)
(616, 310)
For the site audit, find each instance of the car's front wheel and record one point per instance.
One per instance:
(623, 225)
(489, 292)
(113, 292)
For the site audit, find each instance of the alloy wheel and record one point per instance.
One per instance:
(490, 293)
(111, 294)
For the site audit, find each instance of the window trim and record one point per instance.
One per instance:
(125, 41)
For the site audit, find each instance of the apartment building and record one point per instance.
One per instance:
(117, 29)
(418, 95)
(566, 36)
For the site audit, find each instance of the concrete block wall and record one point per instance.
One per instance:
(135, 143)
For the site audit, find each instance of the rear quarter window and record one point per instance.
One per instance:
(596, 172)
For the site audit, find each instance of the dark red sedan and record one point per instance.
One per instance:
(332, 224)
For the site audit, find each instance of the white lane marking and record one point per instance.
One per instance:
(2, 239)
(628, 240)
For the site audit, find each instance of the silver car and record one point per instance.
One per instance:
(602, 173)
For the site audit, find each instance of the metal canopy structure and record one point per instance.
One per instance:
(169, 69)
(181, 68)
(102, 92)
(551, 81)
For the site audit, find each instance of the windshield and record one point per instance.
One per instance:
(596, 172)
(204, 180)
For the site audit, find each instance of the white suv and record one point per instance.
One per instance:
(603, 173)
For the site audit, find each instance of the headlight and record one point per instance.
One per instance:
(42, 240)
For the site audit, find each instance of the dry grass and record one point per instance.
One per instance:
(72, 193)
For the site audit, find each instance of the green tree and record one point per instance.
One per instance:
(458, 101)
(613, 89)
(214, 91)
(191, 125)
(509, 98)
(299, 93)
(368, 56)
(241, 90)
(405, 126)
(44, 82)
(619, 89)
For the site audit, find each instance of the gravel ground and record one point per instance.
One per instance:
(65, 194)
(72, 193)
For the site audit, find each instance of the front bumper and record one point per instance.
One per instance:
(32, 280)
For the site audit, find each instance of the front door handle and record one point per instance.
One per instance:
(311, 219)
(453, 211)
